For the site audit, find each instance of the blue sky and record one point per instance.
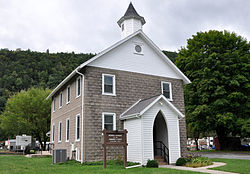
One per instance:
(91, 25)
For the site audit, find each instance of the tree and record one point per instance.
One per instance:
(28, 112)
(218, 98)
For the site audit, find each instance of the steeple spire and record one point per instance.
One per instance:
(131, 21)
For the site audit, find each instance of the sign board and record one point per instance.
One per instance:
(114, 138)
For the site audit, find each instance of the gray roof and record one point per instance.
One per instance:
(139, 106)
(131, 13)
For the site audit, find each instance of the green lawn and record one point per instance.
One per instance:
(21, 165)
(234, 165)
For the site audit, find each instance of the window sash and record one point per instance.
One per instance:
(54, 104)
(108, 84)
(53, 133)
(67, 129)
(78, 86)
(60, 132)
(60, 100)
(78, 127)
(109, 121)
(166, 90)
(68, 94)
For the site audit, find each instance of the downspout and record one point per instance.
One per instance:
(82, 112)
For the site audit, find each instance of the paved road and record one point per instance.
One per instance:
(227, 155)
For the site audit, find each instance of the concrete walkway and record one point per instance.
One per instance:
(200, 169)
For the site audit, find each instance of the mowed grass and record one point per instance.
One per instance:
(233, 165)
(23, 165)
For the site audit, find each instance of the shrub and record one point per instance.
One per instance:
(199, 162)
(181, 162)
(152, 163)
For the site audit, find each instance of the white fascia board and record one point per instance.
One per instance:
(168, 102)
(161, 54)
(136, 115)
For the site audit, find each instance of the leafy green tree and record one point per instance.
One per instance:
(28, 112)
(218, 65)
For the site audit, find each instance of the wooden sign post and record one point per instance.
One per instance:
(114, 138)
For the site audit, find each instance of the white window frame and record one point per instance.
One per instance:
(68, 94)
(67, 129)
(170, 89)
(60, 100)
(77, 87)
(53, 133)
(114, 119)
(59, 132)
(78, 115)
(114, 86)
(54, 104)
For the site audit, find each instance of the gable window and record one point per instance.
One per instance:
(166, 90)
(54, 104)
(108, 121)
(138, 48)
(67, 129)
(68, 95)
(78, 86)
(78, 127)
(60, 132)
(60, 100)
(53, 133)
(108, 84)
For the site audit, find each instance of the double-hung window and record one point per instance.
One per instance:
(54, 105)
(78, 86)
(60, 100)
(108, 84)
(166, 90)
(53, 133)
(68, 95)
(78, 127)
(60, 132)
(108, 121)
(67, 129)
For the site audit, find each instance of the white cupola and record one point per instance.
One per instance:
(130, 22)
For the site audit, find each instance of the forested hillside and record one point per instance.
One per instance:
(24, 69)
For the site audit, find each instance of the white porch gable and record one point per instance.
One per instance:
(139, 121)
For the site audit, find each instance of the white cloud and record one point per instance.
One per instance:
(90, 25)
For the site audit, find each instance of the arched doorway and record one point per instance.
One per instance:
(160, 137)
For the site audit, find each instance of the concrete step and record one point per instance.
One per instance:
(162, 163)
(160, 160)
(158, 157)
